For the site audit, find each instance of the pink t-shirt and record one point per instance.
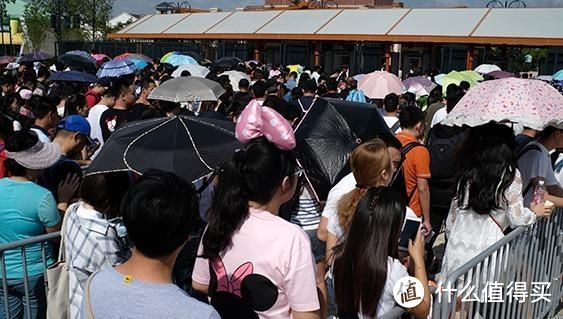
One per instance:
(269, 270)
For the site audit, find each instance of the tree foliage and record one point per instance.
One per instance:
(78, 19)
(36, 20)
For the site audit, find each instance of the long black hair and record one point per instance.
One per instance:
(253, 174)
(360, 264)
(487, 166)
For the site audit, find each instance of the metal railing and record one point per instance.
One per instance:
(21, 245)
(517, 277)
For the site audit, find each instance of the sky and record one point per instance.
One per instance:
(147, 6)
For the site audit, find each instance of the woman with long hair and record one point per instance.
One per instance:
(366, 264)
(371, 166)
(252, 263)
(488, 199)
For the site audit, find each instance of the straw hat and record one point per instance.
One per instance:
(39, 156)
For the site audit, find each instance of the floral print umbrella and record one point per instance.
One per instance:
(531, 103)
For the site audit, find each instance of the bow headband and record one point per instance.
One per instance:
(256, 121)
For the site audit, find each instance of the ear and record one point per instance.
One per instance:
(76, 137)
(286, 184)
(385, 174)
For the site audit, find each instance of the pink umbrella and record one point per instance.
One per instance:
(100, 58)
(378, 84)
(532, 103)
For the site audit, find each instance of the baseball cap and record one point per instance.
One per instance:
(78, 124)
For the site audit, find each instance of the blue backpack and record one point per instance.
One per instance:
(356, 96)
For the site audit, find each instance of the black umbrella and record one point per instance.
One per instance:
(227, 62)
(73, 76)
(35, 57)
(78, 63)
(328, 133)
(186, 145)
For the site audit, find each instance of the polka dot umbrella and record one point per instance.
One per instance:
(531, 103)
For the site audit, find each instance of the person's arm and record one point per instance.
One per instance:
(330, 243)
(554, 194)
(424, 196)
(201, 288)
(66, 190)
(48, 214)
(306, 315)
(416, 251)
(322, 233)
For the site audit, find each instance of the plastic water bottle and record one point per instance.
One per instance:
(539, 193)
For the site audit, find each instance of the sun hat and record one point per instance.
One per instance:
(77, 124)
(39, 156)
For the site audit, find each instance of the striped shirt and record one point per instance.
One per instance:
(308, 214)
(91, 243)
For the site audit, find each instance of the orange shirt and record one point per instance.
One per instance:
(416, 165)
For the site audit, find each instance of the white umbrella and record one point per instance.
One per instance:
(486, 68)
(194, 69)
(547, 78)
(187, 89)
(235, 77)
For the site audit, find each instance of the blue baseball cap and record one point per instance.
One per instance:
(78, 124)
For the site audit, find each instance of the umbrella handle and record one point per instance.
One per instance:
(207, 182)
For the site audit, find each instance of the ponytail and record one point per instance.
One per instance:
(346, 208)
(229, 208)
(254, 173)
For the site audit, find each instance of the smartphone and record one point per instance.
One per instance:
(409, 232)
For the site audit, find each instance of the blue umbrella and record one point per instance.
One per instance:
(558, 76)
(139, 64)
(177, 60)
(116, 68)
(73, 76)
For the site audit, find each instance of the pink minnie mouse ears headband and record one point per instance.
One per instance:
(256, 121)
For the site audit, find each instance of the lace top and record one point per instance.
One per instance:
(469, 233)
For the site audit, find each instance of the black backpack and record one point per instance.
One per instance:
(398, 182)
(442, 149)
(529, 147)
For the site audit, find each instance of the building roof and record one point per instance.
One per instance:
(542, 27)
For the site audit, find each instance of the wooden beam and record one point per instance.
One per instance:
(515, 41)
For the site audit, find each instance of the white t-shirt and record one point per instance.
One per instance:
(439, 116)
(390, 121)
(42, 137)
(95, 129)
(395, 271)
(346, 185)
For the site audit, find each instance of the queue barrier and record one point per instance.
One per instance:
(21, 245)
(517, 277)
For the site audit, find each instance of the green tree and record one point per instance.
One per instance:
(517, 58)
(79, 19)
(37, 24)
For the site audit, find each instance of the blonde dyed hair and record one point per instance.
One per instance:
(368, 162)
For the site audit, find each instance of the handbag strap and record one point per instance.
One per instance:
(89, 311)
(62, 247)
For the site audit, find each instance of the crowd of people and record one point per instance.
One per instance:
(261, 245)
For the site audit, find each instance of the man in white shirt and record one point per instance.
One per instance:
(391, 105)
(453, 95)
(107, 101)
